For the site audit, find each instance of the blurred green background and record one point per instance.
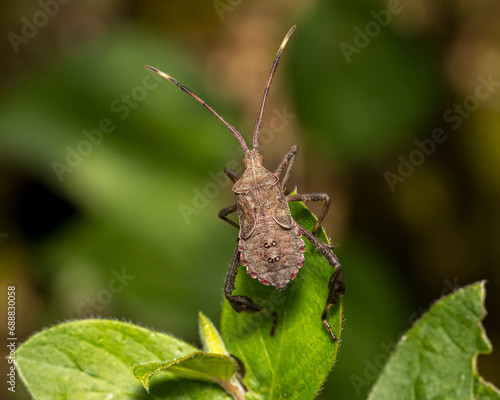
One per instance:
(107, 171)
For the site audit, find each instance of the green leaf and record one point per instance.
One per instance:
(485, 390)
(199, 366)
(436, 359)
(92, 359)
(213, 343)
(213, 365)
(295, 362)
(210, 337)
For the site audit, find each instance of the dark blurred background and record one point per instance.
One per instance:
(111, 179)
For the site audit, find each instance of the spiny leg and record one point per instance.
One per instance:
(290, 156)
(243, 303)
(314, 197)
(336, 286)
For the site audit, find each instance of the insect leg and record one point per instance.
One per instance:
(336, 286)
(228, 210)
(288, 158)
(232, 175)
(225, 212)
(243, 303)
(314, 197)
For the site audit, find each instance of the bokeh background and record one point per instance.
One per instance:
(107, 171)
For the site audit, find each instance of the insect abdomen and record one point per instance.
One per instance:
(272, 254)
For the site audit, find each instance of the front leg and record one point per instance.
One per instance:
(225, 212)
(231, 174)
(336, 286)
(243, 303)
(228, 210)
(314, 197)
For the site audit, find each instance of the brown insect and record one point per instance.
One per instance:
(270, 241)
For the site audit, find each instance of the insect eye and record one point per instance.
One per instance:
(276, 258)
(270, 259)
(266, 245)
(274, 243)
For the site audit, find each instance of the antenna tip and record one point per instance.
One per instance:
(285, 40)
(161, 73)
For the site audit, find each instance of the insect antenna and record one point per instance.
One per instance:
(258, 123)
(231, 128)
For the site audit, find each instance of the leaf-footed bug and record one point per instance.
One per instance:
(270, 241)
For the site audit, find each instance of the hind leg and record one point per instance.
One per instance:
(336, 286)
(243, 303)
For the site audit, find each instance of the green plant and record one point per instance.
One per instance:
(98, 358)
